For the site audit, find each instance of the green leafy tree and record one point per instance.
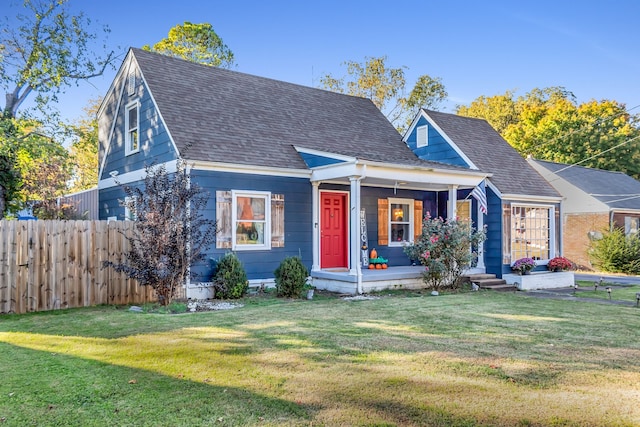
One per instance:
(550, 125)
(386, 88)
(48, 50)
(9, 175)
(196, 43)
(84, 149)
(45, 169)
(500, 111)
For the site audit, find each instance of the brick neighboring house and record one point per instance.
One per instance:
(595, 200)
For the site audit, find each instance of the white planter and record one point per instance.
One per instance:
(541, 280)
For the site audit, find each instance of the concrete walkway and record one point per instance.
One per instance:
(610, 278)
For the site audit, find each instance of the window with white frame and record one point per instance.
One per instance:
(251, 219)
(132, 122)
(400, 221)
(422, 136)
(532, 232)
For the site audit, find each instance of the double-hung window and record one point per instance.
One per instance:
(251, 220)
(400, 221)
(132, 123)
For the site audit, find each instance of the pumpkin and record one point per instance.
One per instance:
(378, 266)
(371, 266)
(384, 266)
(374, 253)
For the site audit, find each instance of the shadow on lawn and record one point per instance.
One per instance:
(46, 388)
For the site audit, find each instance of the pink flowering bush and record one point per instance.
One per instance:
(445, 249)
(559, 263)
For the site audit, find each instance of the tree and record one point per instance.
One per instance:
(500, 111)
(550, 125)
(44, 168)
(84, 149)
(9, 176)
(47, 51)
(196, 43)
(170, 232)
(386, 88)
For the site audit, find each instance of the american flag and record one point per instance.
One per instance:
(480, 195)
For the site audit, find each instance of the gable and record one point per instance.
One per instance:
(154, 141)
(434, 146)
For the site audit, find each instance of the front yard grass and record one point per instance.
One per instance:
(618, 292)
(408, 359)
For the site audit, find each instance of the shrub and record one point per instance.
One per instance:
(230, 278)
(291, 277)
(559, 263)
(523, 265)
(445, 249)
(616, 252)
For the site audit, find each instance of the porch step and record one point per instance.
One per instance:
(490, 281)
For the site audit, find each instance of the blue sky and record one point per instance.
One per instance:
(475, 47)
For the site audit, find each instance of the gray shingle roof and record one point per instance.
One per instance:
(232, 117)
(491, 153)
(615, 189)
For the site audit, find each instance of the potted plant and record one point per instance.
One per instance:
(559, 263)
(523, 265)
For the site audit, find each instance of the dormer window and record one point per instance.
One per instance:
(422, 136)
(132, 136)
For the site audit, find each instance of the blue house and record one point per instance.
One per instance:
(294, 170)
(523, 209)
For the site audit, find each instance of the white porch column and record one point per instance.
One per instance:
(315, 215)
(453, 198)
(354, 229)
(480, 226)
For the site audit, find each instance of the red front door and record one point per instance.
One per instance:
(333, 230)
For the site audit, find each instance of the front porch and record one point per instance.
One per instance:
(402, 277)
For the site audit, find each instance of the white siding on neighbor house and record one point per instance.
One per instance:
(575, 200)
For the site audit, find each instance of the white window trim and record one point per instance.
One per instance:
(425, 142)
(552, 230)
(234, 218)
(411, 204)
(127, 141)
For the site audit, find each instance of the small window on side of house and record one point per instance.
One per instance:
(132, 123)
(422, 136)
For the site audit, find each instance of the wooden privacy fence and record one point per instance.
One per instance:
(49, 265)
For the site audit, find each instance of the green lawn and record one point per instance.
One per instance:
(407, 359)
(618, 292)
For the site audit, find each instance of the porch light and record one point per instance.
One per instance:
(609, 291)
